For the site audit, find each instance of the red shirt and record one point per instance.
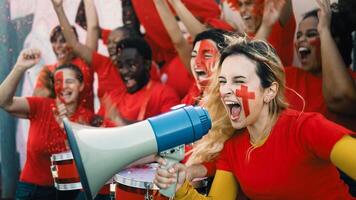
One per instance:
(177, 76)
(87, 95)
(310, 88)
(282, 39)
(156, 34)
(294, 162)
(161, 97)
(193, 96)
(44, 139)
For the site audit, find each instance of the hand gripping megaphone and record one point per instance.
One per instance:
(99, 153)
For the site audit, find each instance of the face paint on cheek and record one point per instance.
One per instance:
(245, 95)
(58, 86)
(258, 8)
(203, 63)
(316, 43)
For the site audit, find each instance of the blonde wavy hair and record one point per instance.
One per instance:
(269, 69)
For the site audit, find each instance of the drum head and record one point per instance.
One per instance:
(138, 177)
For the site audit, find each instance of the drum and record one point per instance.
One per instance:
(64, 172)
(137, 184)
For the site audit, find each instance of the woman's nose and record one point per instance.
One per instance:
(226, 90)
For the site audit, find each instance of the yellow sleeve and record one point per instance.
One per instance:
(343, 155)
(224, 188)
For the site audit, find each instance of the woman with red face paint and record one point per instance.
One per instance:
(280, 153)
(200, 60)
(271, 20)
(46, 137)
(323, 81)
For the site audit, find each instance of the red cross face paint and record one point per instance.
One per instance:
(245, 95)
(240, 90)
(308, 45)
(204, 57)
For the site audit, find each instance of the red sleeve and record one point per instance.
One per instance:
(38, 105)
(105, 35)
(318, 135)
(210, 167)
(220, 24)
(169, 99)
(108, 76)
(223, 162)
(282, 39)
(155, 74)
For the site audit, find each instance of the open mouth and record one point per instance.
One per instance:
(234, 109)
(246, 17)
(201, 73)
(65, 95)
(304, 52)
(129, 82)
(61, 55)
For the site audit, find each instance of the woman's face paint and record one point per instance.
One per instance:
(204, 57)
(245, 95)
(308, 45)
(240, 90)
(251, 12)
(67, 86)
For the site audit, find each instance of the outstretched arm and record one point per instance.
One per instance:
(81, 50)
(274, 11)
(180, 43)
(193, 25)
(224, 185)
(17, 106)
(339, 89)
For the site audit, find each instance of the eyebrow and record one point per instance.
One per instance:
(238, 77)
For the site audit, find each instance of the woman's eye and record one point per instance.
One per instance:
(221, 82)
(238, 81)
(207, 56)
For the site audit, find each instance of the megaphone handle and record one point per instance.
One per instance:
(171, 190)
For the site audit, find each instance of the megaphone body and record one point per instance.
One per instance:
(99, 153)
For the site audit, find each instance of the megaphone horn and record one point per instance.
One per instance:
(99, 153)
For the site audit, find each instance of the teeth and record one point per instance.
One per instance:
(303, 49)
(246, 17)
(231, 103)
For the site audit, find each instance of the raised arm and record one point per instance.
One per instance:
(180, 43)
(81, 50)
(339, 89)
(193, 25)
(274, 11)
(17, 106)
(93, 29)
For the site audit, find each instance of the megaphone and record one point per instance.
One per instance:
(99, 153)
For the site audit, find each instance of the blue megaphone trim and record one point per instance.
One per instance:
(177, 124)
